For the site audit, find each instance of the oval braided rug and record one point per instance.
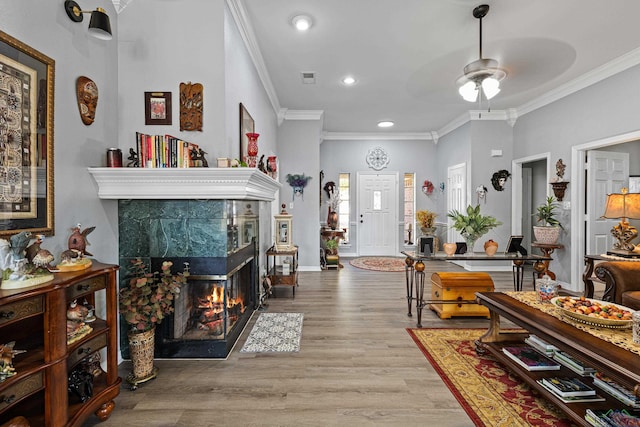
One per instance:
(379, 263)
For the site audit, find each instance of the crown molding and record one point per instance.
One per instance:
(379, 136)
(611, 68)
(239, 14)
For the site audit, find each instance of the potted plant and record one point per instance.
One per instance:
(549, 232)
(427, 221)
(473, 225)
(147, 300)
(331, 246)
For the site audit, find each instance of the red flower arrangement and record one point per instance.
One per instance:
(427, 187)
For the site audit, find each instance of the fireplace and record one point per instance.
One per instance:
(209, 217)
(212, 309)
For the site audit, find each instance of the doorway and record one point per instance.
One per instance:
(456, 196)
(378, 206)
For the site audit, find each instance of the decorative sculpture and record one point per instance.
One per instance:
(191, 103)
(87, 93)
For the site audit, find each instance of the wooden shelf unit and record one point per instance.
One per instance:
(614, 361)
(35, 318)
(274, 271)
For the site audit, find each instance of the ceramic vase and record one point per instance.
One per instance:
(490, 247)
(252, 150)
(449, 248)
(332, 219)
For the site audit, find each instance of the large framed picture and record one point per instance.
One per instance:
(157, 108)
(247, 125)
(27, 79)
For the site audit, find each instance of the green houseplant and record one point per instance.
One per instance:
(473, 225)
(549, 230)
(331, 246)
(147, 300)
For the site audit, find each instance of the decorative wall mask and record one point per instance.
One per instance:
(481, 192)
(499, 179)
(298, 182)
(191, 103)
(87, 93)
(427, 187)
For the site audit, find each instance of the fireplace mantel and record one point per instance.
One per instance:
(184, 183)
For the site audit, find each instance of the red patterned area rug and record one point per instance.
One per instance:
(379, 263)
(489, 394)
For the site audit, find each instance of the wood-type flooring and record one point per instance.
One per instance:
(357, 365)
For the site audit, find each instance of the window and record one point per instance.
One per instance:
(344, 210)
(409, 207)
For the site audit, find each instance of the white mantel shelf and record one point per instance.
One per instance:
(184, 183)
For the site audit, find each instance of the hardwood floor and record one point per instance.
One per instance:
(357, 365)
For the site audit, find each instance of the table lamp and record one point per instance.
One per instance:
(623, 205)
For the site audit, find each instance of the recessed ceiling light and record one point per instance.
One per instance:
(302, 22)
(385, 124)
(349, 80)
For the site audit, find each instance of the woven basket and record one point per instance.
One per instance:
(141, 351)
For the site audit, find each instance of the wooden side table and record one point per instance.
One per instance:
(278, 274)
(330, 234)
(542, 267)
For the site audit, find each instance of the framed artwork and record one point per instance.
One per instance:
(249, 228)
(246, 126)
(27, 79)
(157, 108)
(284, 232)
(634, 184)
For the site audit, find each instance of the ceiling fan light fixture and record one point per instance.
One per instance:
(490, 87)
(483, 72)
(469, 91)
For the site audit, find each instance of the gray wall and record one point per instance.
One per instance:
(418, 156)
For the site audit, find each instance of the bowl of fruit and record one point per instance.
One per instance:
(594, 312)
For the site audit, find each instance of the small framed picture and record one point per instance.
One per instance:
(514, 245)
(283, 232)
(157, 108)
(248, 231)
(634, 184)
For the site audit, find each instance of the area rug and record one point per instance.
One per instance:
(378, 263)
(275, 333)
(489, 394)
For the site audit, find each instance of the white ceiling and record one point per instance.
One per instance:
(408, 54)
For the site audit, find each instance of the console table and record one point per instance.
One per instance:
(414, 271)
(615, 361)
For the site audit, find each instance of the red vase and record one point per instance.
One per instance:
(252, 149)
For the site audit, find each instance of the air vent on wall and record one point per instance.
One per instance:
(308, 77)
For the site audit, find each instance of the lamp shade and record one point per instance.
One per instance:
(99, 25)
(622, 205)
(469, 91)
(490, 87)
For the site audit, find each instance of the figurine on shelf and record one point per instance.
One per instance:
(134, 161)
(37, 255)
(77, 312)
(78, 239)
(7, 353)
(90, 316)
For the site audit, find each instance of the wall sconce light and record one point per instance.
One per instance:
(623, 205)
(99, 24)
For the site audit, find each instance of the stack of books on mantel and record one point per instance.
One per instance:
(530, 359)
(570, 390)
(621, 393)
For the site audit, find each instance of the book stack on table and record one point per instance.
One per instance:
(612, 417)
(541, 345)
(621, 393)
(570, 390)
(531, 359)
(572, 363)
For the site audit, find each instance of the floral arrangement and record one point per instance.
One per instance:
(427, 187)
(149, 297)
(426, 218)
(334, 201)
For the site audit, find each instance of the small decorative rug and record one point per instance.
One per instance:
(489, 394)
(275, 333)
(378, 263)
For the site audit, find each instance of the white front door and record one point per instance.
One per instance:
(377, 215)
(456, 196)
(607, 172)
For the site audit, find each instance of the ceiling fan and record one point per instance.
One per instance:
(483, 75)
